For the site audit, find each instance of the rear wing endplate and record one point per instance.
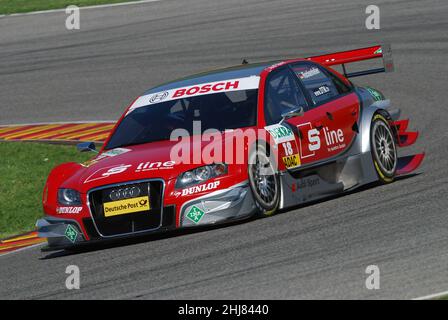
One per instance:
(345, 57)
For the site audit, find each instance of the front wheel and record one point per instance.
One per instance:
(264, 182)
(384, 151)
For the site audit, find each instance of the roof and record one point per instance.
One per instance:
(241, 71)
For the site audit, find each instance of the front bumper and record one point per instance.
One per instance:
(60, 232)
(233, 203)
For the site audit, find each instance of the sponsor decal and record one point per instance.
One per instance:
(216, 87)
(88, 163)
(275, 66)
(126, 206)
(115, 170)
(195, 214)
(148, 166)
(332, 139)
(308, 150)
(377, 96)
(291, 161)
(158, 97)
(246, 83)
(309, 73)
(124, 193)
(380, 50)
(107, 154)
(197, 189)
(321, 90)
(280, 133)
(68, 210)
(71, 233)
(107, 172)
(308, 183)
(314, 139)
(177, 193)
(305, 183)
(114, 152)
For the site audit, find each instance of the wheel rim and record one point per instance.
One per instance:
(263, 180)
(385, 151)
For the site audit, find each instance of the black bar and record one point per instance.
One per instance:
(365, 73)
(344, 70)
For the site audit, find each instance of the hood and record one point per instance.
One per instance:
(139, 162)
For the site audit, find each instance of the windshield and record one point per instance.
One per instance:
(155, 122)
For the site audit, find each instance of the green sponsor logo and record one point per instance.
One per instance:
(380, 50)
(71, 233)
(280, 132)
(195, 214)
(377, 96)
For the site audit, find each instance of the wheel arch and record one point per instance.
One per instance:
(267, 148)
(379, 107)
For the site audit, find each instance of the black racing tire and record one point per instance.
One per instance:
(264, 182)
(383, 149)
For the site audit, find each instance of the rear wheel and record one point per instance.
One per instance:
(384, 151)
(264, 182)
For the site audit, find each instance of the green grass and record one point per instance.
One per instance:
(24, 168)
(20, 6)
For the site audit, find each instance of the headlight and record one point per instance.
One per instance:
(69, 197)
(200, 175)
(203, 173)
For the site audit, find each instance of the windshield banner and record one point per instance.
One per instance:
(246, 83)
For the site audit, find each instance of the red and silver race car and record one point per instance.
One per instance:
(230, 144)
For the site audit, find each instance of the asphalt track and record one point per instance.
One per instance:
(317, 251)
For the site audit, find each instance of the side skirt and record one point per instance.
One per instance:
(319, 182)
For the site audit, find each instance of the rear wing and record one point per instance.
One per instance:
(345, 57)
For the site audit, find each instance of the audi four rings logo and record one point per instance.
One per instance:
(158, 97)
(125, 193)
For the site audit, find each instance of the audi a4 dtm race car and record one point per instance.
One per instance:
(230, 144)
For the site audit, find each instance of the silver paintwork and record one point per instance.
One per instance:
(232, 203)
(54, 230)
(348, 171)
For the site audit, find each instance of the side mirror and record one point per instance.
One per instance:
(297, 112)
(86, 146)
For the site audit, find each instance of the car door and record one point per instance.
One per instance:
(330, 124)
(283, 94)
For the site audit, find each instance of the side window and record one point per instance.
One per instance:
(341, 86)
(282, 95)
(321, 86)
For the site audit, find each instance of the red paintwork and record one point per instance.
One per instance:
(400, 125)
(404, 138)
(344, 111)
(347, 56)
(407, 138)
(75, 176)
(409, 163)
